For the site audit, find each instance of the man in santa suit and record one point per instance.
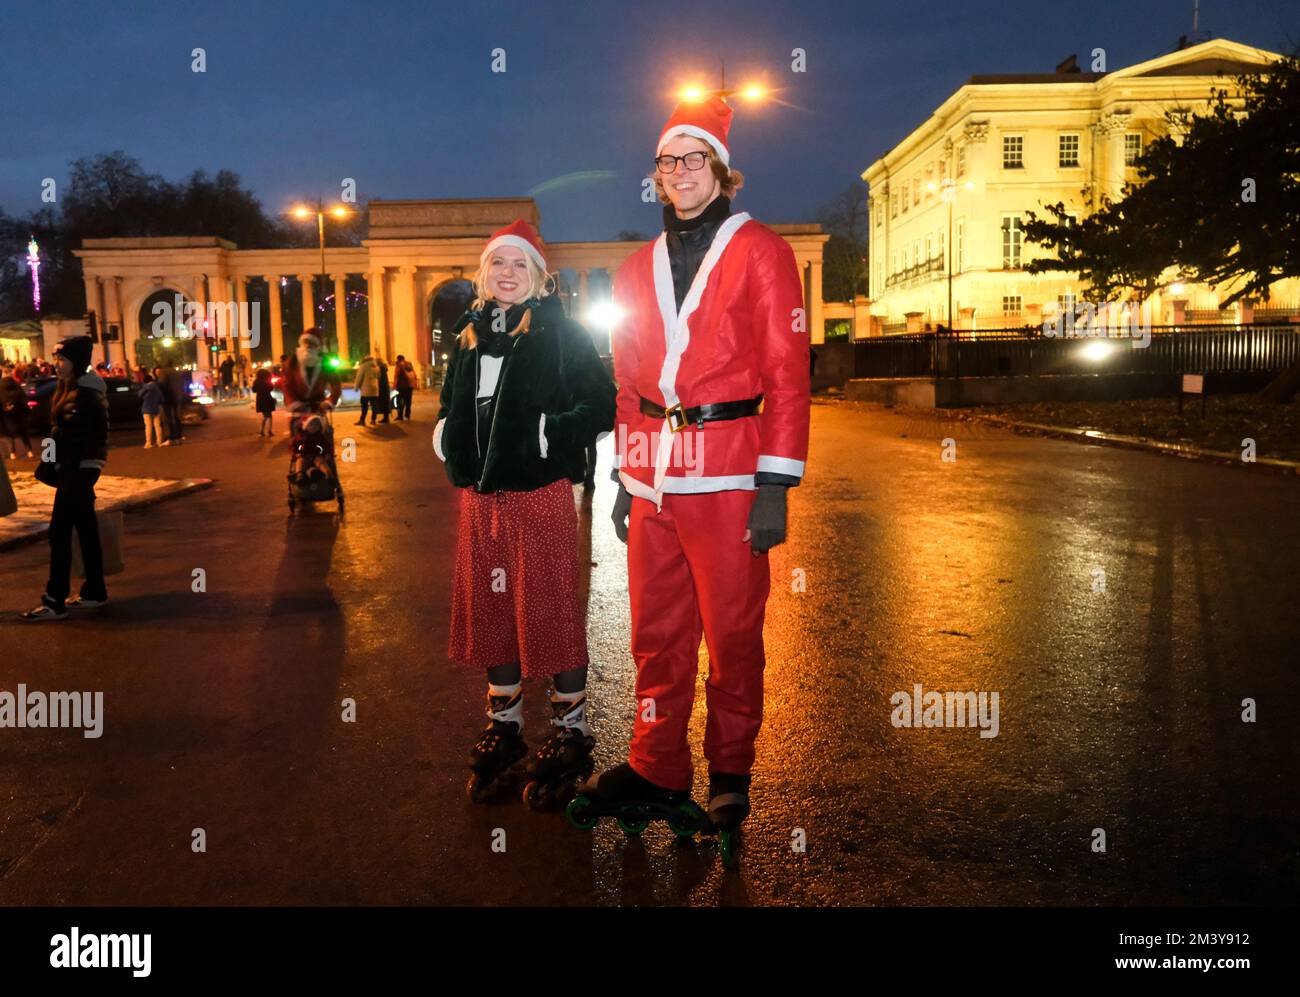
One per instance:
(711, 360)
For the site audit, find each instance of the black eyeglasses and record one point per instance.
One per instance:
(693, 161)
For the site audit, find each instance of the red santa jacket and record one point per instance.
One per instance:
(301, 394)
(741, 333)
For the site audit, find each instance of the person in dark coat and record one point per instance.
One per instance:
(265, 401)
(79, 430)
(13, 414)
(385, 391)
(524, 393)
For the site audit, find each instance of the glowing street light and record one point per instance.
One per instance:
(305, 211)
(751, 91)
(604, 315)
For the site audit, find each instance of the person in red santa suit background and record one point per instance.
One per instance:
(711, 361)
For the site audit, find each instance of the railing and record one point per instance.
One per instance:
(1014, 352)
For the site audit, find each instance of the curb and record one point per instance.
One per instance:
(1271, 464)
(182, 486)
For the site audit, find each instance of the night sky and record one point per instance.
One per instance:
(400, 96)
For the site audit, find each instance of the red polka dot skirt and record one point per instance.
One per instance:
(515, 590)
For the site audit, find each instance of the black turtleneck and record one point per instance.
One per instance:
(689, 240)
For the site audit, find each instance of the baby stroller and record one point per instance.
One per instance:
(313, 472)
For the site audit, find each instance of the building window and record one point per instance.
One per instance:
(916, 188)
(1132, 148)
(1011, 304)
(961, 245)
(1066, 306)
(1068, 151)
(1013, 152)
(878, 209)
(893, 263)
(942, 258)
(905, 198)
(929, 181)
(1011, 242)
(893, 205)
(961, 160)
(929, 247)
(916, 253)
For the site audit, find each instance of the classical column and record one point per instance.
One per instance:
(277, 319)
(816, 325)
(308, 305)
(219, 290)
(243, 327)
(375, 302)
(202, 360)
(582, 295)
(341, 316)
(404, 315)
(120, 320)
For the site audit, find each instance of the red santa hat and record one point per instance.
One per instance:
(521, 235)
(709, 120)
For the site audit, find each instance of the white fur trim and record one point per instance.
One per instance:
(437, 440)
(687, 485)
(781, 465)
(518, 243)
(695, 131)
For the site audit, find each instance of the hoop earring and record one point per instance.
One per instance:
(554, 285)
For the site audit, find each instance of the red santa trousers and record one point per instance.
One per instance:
(515, 590)
(689, 572)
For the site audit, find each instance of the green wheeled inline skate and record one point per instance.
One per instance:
(634, 802)
(728, 808)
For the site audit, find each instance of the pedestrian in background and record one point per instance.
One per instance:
(151, 404)
(173, 392)
(404, 382)
(265, 401)
(79, 429)
(367, 385)
(385, 393)
(13, 414)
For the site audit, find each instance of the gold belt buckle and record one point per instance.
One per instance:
(680, 412)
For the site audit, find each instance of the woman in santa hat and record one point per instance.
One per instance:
(523, 396)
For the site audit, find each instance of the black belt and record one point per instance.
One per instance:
(679, 417)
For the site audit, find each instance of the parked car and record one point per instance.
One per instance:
(123, 396)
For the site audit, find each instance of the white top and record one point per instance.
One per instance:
(489, 369)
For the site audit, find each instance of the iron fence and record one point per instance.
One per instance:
(1017, 352)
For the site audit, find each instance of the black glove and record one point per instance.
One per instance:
(622, 509)
(766, 526)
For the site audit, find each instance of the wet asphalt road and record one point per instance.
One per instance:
(1119, 709)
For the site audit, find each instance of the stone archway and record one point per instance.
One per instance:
(160, 319)
(447, 302)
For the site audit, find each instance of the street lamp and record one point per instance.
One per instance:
(751, 91)
(305, 211)
(948, 192)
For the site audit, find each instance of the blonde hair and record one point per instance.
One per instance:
(540, 285)
(728, 179)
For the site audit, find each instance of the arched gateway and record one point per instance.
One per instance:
(414, 250)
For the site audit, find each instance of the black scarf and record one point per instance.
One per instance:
(689, 240)
(495, 341)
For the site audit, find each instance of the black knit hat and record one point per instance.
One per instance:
(78, 350)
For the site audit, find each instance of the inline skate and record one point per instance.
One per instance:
(634, 802)
(728, 808)
(498, 748)
(563, 759)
